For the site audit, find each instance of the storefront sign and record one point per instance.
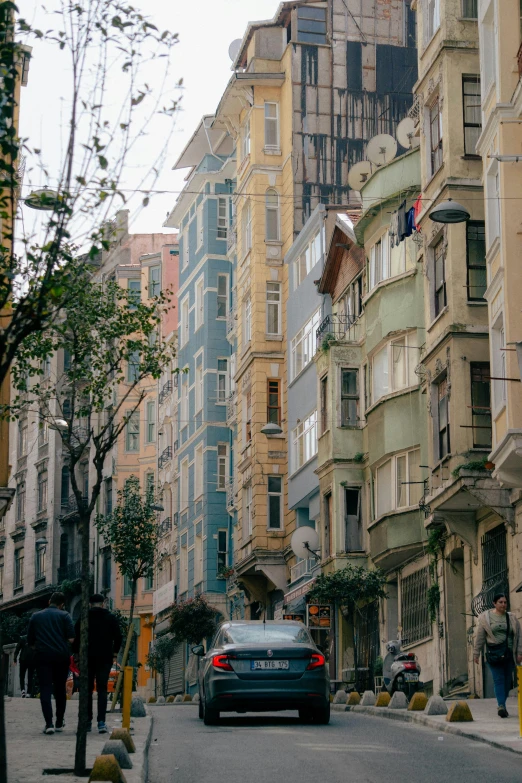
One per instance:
(163, 598)
(300, 618)
(319, 616)
(299, 591)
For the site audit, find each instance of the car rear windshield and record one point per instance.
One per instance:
(257, 634)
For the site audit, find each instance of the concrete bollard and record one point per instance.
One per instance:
(161, 700)
(436, 706)
(187, 697)
(195, 698)
(383, 699)
(125, 737)
(368, 699)
(138, 707)
(178, 699)
(117, 749)
(398, 701)
(459, 712)
(170, 699)
(418, 702)
(353, 699)
(106, 768)
(340, 697)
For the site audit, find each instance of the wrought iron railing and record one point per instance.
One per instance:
(231, 488)
(415, 109)
(231, 318)
(303, 568)
(70, 505)
(231, 406)
(494, 569)
(231, 237)
(333, 327)
(165, 456)
(166, 391)
(71, 571)
(416, 623)
(164, 526)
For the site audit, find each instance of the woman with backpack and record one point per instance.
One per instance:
(499, 630)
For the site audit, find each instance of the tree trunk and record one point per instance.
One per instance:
(81, 733)
(130, 634)
(3, 750)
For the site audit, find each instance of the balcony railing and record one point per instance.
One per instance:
(303, 568)
(231, 407)
(231, 237)
(415, 109)
(70, 505)
(165, 392)
(231, 318)
(165, 526)
(334, 327)
(71, 571)
(231, 488)
(165, 456)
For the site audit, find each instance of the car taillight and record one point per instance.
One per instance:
(316, 661)
(221, 662)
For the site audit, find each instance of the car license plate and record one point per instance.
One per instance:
(410, 677)
(270, 665)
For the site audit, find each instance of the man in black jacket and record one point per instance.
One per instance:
(104, 644)
(26, 654)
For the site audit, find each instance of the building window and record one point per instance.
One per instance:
(183, 567)
(222, 217)
(65, 486)
(302, 346)
(324, 403)
(127, 586)
(198, 386)
(198, 471)
(328, 518)
(351, 303)
(199, 317)
(443, 418)
(272, 215)
(476, 260)
(222, 296)
(148, 582)
(222, 549)
(481, 404)
(470, 9)
(493, 203)
(46, 367)
(2, 561)
(132, 432)
(399, 482)
(247, 511)
(222, 380)
(222, 458)
(151, 422)
(185, 248)
(310, 256)
(108, 496)
(247, 320)
(23, 430)
(20, 502)
(42, 490)
(134, 293)
(198, 559)
(273, 412)
(247, 228)
(415, 618)
(275, 502)
(106, 571)
(472, 113)
(488, 47)
(245, 140)
(39, 558)
(154, 281)
(353, 539)
(271, 125)
(199, 226)
(387, 260)
(150, 485)
(133, 367)
(304, 441)
(439, 264)
(378, 262)
(435, 137)
(184, 484)
(393, 367)
(349, 398)
(248, 413)
(184, 321)
(184, 403)
(19, 568)
(273, 308)
(433, 19)
(43, 431)
(311, 25)
(67, 359)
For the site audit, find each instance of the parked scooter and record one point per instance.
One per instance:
(401, 670)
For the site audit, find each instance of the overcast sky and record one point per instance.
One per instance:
(205, 27)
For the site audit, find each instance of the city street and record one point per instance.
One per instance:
(277, 748)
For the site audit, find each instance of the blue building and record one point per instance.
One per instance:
(202, 215)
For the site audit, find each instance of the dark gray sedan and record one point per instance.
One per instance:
(263, 666)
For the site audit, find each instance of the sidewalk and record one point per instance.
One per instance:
(486, 726)
(29, 751)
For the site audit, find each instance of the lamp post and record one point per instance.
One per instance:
(449, 212)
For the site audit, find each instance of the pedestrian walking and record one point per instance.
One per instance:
(104, 644)
(25, 653)
(499, 630)
(51, 632)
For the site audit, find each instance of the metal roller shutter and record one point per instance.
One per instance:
(175, 673)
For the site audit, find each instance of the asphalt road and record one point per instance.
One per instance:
(277, 748)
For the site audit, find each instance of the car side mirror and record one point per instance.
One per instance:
(198, 649)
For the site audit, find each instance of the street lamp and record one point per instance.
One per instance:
(157, 507)
(60, 425)
(271, 429)
(44, 200)
(449, 212)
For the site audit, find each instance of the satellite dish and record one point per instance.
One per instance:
(406, 134)
(381, 149)
(302, 536)
(358, 174)
(233, 49)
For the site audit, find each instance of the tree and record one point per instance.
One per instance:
(193, 620)
(160, 657)
(132, 532)
(349, 587)
(98, 39)
(90, 402)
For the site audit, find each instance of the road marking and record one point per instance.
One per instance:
(348, 749)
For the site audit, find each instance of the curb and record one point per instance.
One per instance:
(145, 765)
(411, 717)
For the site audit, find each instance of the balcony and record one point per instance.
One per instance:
(70, 572)
(303, 568)
(70, 506)
(231, 408)
(165, 526)
(165, 456)
(231, 237)
(231, 488)
(415, 110)
(166, 391)
(231, 318)
(335, 327)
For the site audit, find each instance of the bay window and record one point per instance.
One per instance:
(393, 367)
(399, 482)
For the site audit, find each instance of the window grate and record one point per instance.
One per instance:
(416, 624)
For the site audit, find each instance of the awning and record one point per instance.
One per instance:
(299, 591)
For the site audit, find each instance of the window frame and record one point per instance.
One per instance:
(482, 373)
(274, 307)
(184, 484)
(273, 411)
(222, 217)
(272, 209)
(198, 385)
(198, 472)
(245, 139)
(246, 216)
(199, 226)
(305, 339)
(21, 496)
(42, 490)
(18, 576)
(393, 492)
(436, 150)
(467, 4)
(247, 320)
(343, 396)
(478, 224)
(132, 436)
(279, 494)
(184, 317)
(153, 284)
(470, 79)
(306, 17)
(248, 507)
(222, 562)
(134, 292)
(184, 408)
(222, 467)
(150, 430)
(133, 367)
(222, 376)
(443, 432)
(432, 19)
(410, 339)
(222, 298)
(304, 441)
(439, 290)
(199, 297)
(272, 122)
(323, 397)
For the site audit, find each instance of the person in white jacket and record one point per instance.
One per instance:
(499, 630)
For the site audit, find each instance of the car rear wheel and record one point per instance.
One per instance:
(210, 715)
(200, 708)
(322, 714)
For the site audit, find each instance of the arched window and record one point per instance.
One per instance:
(272, 215)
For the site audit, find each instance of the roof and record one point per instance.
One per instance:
(343, 239)
(205, 140)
